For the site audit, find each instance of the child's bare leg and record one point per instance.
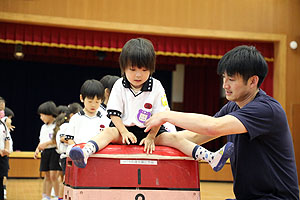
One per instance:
(216, 159)
(176, 141)
(195, 137)
(80, 156)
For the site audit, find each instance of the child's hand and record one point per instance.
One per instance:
(149, 144)
(127, 137)
(36, 153)
(4, 152)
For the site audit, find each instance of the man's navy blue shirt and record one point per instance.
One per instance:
(263, 163)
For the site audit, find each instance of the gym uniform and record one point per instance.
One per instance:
(134, 108)
(49, 156)
(82, 127)
(61, 146)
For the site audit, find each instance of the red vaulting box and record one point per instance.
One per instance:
(125, 172)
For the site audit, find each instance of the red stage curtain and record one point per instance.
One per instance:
(12, 33)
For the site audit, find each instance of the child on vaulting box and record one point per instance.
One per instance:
(133, 99)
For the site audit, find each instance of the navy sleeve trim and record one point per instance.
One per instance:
(113, 113)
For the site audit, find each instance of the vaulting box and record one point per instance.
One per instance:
(125, 172)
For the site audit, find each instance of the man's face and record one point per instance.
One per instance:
(236, 89)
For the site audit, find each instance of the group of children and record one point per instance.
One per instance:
(115, 111)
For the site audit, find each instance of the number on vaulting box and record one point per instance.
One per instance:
(125, 172)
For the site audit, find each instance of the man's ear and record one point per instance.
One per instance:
(81, 99)
(254, 81)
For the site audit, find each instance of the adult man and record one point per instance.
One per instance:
(263, 162)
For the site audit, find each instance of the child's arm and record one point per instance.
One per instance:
(5, 151)
(41, 147)
(148, 141)
(126, 135)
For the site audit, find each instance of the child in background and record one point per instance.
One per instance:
(62, 109)
(4, 147)
(62, 122)
(108, 82)
(9, 114)
(49, 156)
(89, 121)
(133, 99)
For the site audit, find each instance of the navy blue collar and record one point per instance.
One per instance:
(147, 86)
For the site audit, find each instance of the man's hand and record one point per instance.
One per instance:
(149, 144)
(154, 120)
(128, 137)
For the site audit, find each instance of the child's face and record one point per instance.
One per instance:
(91, 105)
(46, 118)
(137, 76)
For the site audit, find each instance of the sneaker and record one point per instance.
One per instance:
(78, 157)
(222, 156)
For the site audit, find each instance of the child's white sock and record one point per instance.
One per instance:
(90, 148)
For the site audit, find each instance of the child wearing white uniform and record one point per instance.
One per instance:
(89, 122)
(60, 130)
(133, 99)
(49, 157)
(5, 145)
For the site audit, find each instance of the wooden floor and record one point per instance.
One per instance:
(25, 189)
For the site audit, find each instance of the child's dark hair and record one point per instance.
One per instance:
(8, 112)
(92, 88)
(48, 108)
(74, 108)
(246, 61)
(138, 52)
(108, 81)
(62, 109)
(59, 120)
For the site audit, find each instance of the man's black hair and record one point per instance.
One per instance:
(244, 60)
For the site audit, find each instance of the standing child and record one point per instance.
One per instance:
(108, 82)
(9, 114)
(49, 157)
(133, 100)
(90, 121)
(4, 148)
(61, 126)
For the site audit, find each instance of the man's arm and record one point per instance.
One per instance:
(198, 123)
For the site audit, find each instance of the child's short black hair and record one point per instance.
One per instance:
(8, 112)
(246, 61)
(92, 88)
(138, 52)
(48, 108)
(108, 81)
